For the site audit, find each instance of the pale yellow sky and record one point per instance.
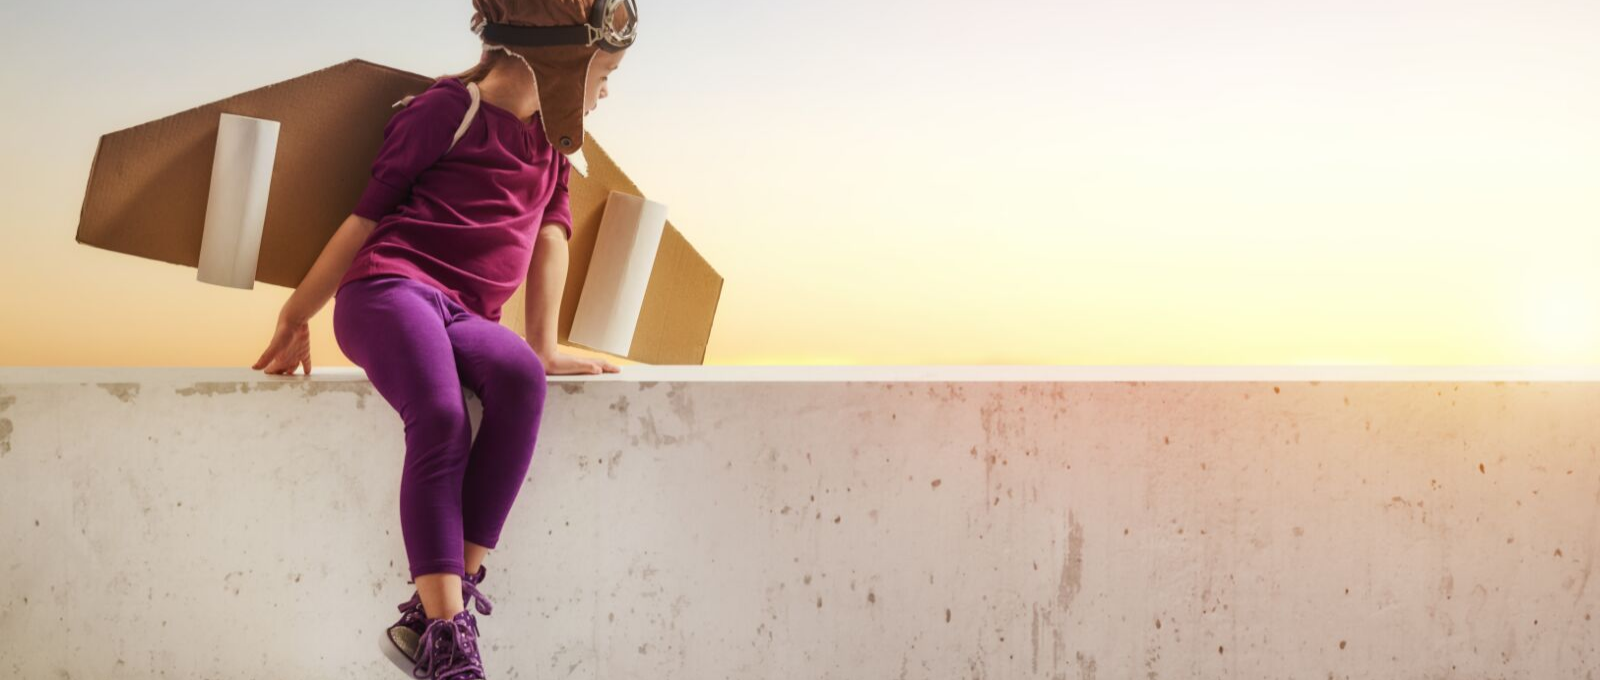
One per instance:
(1147, 182)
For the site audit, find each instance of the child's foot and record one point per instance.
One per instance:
(448, 650)
(400, 640)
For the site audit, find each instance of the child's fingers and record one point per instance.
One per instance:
(265, 354)
(274, 350)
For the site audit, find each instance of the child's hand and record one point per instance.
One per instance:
(557, 363)
(290, 347)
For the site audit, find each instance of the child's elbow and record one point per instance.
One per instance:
(553, 231)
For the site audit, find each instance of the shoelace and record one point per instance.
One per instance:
(413, 612)
(475, 599)
(448, 652)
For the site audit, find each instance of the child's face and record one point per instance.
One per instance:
(600, 68)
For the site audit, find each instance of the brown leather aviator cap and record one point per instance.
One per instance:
(557, 39)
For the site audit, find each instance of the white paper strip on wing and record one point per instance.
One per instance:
(236, 207)
(619, 271)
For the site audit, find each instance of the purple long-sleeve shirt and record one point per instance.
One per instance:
(463, 221)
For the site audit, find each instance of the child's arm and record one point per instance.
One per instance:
(415, 137)
(547, 276)
(290, 347)
(320, 281)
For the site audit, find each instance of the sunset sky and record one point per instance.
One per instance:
(1039, 182)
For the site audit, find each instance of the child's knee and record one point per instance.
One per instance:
(519, 382)
(439, 413)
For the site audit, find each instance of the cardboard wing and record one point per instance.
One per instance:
(148, 186)
(680, 302)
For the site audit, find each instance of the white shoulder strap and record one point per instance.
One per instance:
(472, 89)
(472, 109)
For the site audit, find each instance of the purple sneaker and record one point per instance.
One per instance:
(399, 642)
(448, 650)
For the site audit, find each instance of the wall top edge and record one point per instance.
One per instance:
(636, 373)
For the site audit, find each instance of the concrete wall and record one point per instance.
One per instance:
(703, 523)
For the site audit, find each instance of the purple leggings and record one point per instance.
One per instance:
(419, 348)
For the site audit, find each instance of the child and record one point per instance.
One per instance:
(441, 237)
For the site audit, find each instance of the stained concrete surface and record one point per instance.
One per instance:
(159, 525)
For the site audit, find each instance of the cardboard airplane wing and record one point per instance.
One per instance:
(148, 185)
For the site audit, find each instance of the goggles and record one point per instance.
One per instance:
(601, 29)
